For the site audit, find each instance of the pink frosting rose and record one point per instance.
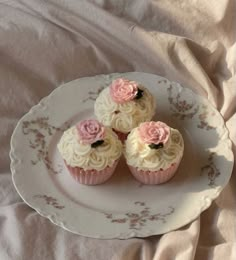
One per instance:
(123, 90)
(154, 132)
(90, 131)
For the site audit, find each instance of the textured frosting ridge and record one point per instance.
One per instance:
(78, 154)
(139, 154)
(125, 116)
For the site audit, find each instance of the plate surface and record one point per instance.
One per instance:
(122, 207)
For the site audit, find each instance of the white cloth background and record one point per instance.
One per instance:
(46, 43)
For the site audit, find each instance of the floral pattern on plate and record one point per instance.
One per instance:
(138, 220)
(188, 109)
(50, 201)
(38, 130)
(211, 171)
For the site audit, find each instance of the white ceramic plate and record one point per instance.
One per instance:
(122, 207)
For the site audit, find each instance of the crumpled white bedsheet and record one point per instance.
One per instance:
(46, 43)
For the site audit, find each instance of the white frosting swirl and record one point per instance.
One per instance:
(81, 155)
(130, 114)
(140, 155)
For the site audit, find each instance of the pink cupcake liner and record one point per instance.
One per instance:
(91, 177)
(122, 136)
(154, 177)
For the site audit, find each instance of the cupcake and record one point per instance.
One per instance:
(90, 151)
(124, 105)
(153, 152)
